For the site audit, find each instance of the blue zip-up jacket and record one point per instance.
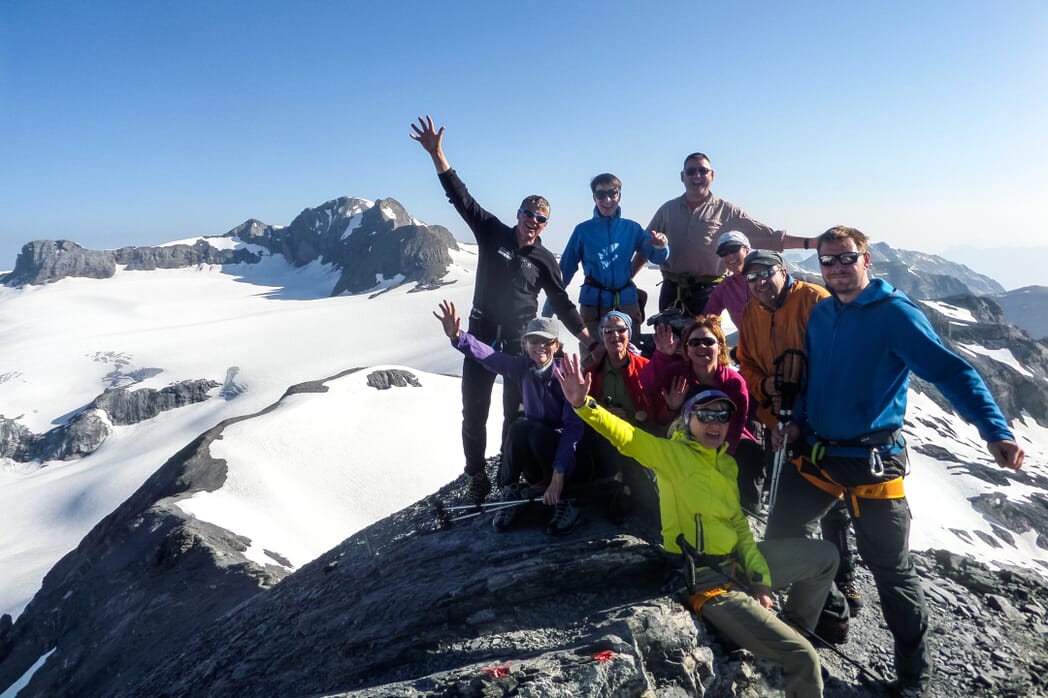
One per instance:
(543, 397)
(605, 247)
(860, 356)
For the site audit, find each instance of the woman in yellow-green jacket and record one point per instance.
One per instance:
(699, 498)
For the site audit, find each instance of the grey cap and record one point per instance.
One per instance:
(766, 257)
(545, 327)
(731, 241)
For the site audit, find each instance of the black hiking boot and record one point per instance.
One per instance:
(852, 596)
(504, 518)
(565, 519)
(911, 688)
(477, 486)
(832, 629)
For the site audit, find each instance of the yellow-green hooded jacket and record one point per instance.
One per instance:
(698, 493)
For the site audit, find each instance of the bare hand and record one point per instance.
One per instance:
(1008, 454)
(573, 381)
(764, 595)
(552, 494)
(675, 395)
(665, 341)
(426, 134)
(449, 319)
(658, 240)
(781, 437)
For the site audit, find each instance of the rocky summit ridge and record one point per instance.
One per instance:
(154, 602)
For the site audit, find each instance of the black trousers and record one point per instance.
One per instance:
(477, 382)
(882, 535)
(695, 297)
(529, 451)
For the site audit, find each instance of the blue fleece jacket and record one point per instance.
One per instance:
(605, 247)
(860, 355)
(543, 398)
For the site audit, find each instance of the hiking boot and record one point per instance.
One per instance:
(852, 596)
(831, 629)
(911, 688)
(477, 486)
(505, 517)
(565, 519)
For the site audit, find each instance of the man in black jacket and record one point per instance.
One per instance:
(512, 268)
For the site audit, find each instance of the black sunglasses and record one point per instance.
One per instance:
(702, 341)
(763, 273)
(709, 416)
(602, 194)
(539, 218)
(616, 330)
(692, 171)
(845, 258)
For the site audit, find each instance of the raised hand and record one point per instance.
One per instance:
(665, 341)
(675, 395)
(573, 381)
(658, 240)
(450, 320)
(427, 135)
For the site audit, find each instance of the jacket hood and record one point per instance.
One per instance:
(617, 214)
(878, 290)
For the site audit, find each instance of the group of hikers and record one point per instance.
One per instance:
(823, 374)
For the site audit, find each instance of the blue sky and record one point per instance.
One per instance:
(132, 123)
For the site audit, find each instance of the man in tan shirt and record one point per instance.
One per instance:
(692, 224)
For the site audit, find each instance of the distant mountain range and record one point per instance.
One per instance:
(371, 241)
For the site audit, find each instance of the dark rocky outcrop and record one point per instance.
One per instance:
(132, 406)
(46, 261)
(1015, 391)
(89, 427)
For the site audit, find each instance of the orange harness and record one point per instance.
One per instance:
(697, 600)
(890, 489)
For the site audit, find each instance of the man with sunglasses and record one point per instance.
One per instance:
(606, 246)
(512, 267)
(772, 328)
(693, 223)
(862, 345)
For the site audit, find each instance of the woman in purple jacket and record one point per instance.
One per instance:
(541, 445)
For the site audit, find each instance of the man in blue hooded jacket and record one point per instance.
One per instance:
(862, 344)
(606, 246)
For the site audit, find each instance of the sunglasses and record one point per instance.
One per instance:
(845, 258)
(615, 330)
(709, 416)
(539, 218)
(702, 341)
(764, 273)
(540, 341)
(609, 194)
(692, 171)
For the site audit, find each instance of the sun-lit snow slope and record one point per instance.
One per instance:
(939, 491)
(272, 321)
(303, 477)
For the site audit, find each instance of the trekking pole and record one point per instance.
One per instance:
(689, 550)
(447, 516)
(791, 376)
